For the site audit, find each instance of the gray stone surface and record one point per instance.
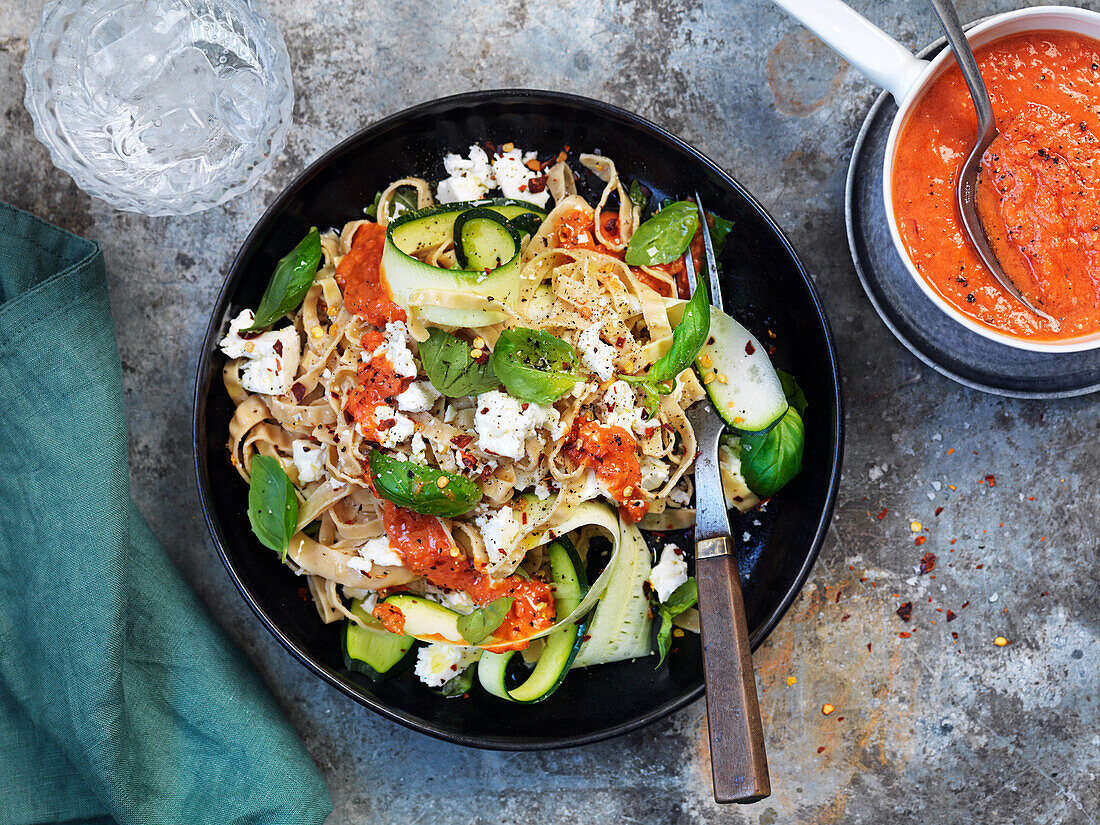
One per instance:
(927, 728)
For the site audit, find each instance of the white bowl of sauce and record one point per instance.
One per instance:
(1039, 192)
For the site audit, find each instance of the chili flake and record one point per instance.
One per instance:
(905, 611)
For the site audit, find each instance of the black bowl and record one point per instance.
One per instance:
(765, 287)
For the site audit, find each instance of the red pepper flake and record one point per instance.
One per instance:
(990, 480)
(953, 541)
(939, 510)
(846, 617)
(954, 635)
(537, 184)
(965, 605)
(303, 594)
(951, 451)
(837, 599)
(298, 390)
(905, 612)
(950, 616)
(868, 647)
(749, 348)
(927, 563)
(819, 750)
(882, 514)
(904, 635)
(919, 540)
(461, 441)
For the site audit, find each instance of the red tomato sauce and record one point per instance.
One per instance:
(577, 230)
(612, 453)
(426, 550)
(378, 385)
(362, 281)
(1038, 194)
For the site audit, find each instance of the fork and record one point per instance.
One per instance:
(739, 763)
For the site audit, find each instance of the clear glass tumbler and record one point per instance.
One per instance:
(164, 107)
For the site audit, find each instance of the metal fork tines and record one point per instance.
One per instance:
(709, 263)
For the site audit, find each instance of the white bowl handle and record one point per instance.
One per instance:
(881, 58)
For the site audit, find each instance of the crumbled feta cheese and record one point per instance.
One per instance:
(499, 530)
(419, 397)
(470, 178)
(680, 494)
(309, 458)
(396, 350)
(378, 552)
(393, 428)
(513, 177)
(270, 358)
(458, 189)
(542, 491)
(621, 412)
(437, 663)
(503, 423)
(669, 573)
(654, 472)
(456, 600)
(419, 450)
(595, 354)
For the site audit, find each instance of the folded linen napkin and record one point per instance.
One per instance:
(120, 700)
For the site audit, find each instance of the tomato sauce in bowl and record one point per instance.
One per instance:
(1038, 194)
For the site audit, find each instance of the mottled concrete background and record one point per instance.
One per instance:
(929, 728)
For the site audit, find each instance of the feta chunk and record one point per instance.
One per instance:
(419, 397)
(503, 423)
(542, 491)
(457, 189)
(419, 450)
(513, 177)
(376, 552)
(595, 354)
(396, 350)
(309, 459)
(654, 473)
(470, 177)
(669, 573)
(455, 600)
(437, 663)
(270, 358)
(621, 412)
(393, 428)
(499, 530)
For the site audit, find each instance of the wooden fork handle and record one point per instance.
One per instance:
(739, 763)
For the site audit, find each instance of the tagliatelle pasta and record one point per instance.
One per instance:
(370, 385)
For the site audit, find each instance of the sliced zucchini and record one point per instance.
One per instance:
(745, 388)
(427, 620)
(621, 627)
(570, 586)
(372, 650)
(426, 228)
(483, 239)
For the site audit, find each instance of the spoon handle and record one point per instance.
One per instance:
(952, 28)
(739, 763)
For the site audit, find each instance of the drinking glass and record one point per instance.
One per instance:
(164, 107)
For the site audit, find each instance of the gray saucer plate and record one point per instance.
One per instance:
(921, 326)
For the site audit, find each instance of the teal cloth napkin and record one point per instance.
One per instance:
(120, 699)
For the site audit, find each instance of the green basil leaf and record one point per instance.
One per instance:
(771, 460)
(459, 686)
(664, 237)
(795, 397)
(450, 368)
(534, 365)
(290, 282)
(683, 597)
(272, 504)
(664, 637)
(637, 195)
(417, 488)
(405, 196)
(478, 626)
(719, 229)
(687, 338)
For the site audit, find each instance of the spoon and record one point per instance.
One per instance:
(968, 175)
